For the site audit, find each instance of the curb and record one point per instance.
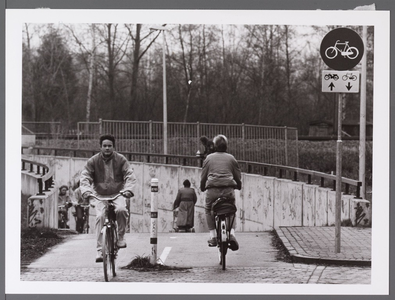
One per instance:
(305, 258)
(330, 261)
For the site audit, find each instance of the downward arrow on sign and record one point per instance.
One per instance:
(348, 86)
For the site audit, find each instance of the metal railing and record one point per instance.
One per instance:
(296, 174)
(267, 144)
(45, 181)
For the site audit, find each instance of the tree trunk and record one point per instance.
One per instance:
(91, 71)
(135, 73)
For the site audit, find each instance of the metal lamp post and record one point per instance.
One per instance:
(162, 28)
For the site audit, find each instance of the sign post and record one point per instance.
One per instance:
(341, 49)
(339, 155)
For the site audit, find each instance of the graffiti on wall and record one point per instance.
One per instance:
(360, 213)
(35, 212)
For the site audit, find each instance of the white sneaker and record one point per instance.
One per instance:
(121, 243)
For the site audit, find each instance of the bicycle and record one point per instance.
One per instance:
(330, 76)
(82, 222)
(349, 76)
(62, 215)
(109, 235)
(62, 218)
(224, 211)
(349, 52)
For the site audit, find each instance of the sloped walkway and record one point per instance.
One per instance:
(317, 244)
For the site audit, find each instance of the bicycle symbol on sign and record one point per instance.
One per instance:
(347, 51)
(349, 76)
(331, 76)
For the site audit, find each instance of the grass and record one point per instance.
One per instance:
(143, 264)
(35, 242)
(282, 252)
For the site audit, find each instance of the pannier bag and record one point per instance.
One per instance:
(223, 206)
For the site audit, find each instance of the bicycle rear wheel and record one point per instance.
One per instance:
(85, 225)
(223, 250)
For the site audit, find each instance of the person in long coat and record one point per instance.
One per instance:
(185, 202)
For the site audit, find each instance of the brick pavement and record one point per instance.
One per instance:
(281, 273)
(317, 244)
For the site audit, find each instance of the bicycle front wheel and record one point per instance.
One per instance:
(114, 250)
(108, 253)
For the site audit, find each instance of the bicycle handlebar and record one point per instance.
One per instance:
(108, 199)
(84, 205)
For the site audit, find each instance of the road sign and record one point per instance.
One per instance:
(342, 49)
(340, 81)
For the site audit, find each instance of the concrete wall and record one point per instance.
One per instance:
(263, 203)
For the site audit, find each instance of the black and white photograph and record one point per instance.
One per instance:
(197, 151)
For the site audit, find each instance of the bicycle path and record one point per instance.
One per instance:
(254, 262)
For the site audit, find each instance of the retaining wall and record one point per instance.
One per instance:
(263, 203)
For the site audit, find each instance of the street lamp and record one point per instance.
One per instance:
(162, 28)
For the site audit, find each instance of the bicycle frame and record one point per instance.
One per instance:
(85, 218)
(346, 46)
(110, 236)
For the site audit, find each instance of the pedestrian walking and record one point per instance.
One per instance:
(185, 202)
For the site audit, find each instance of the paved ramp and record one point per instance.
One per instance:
(174, 249)
(254, 262)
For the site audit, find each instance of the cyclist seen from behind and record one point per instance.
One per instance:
(107, 174)
(221, 175)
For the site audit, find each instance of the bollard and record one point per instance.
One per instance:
(154, 219)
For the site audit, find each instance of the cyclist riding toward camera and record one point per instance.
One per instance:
(64, 203)
(107, 174)
(220, 176)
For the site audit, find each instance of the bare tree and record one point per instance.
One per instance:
(89, 63)
(116, 46)
(137, 56)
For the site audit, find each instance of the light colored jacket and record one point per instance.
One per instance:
(107, 176)
(220, 169)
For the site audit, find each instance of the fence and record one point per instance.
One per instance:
(275, 145)
(42, 129)
(266, 144)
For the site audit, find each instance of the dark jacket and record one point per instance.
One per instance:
(185, 194)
